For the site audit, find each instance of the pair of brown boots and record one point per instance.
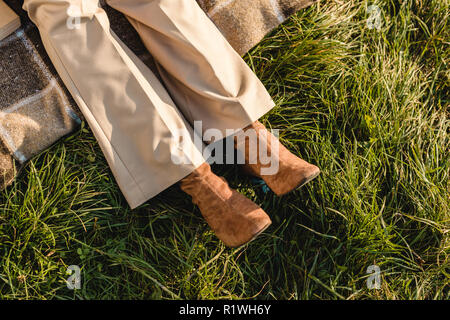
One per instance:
(235, 219)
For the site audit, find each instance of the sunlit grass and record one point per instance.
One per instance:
(368, 106)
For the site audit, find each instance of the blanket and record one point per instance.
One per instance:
(36, 110)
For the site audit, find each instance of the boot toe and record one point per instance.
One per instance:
(296, 179)
(247, 221)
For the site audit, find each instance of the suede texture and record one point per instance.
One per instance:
(28, 78)
(235, 219)
(292, 173)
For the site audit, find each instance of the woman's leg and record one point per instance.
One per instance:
(134, 120)
(206, 78)
(211, 83)
(129, 111)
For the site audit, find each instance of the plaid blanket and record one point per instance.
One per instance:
(35, 108)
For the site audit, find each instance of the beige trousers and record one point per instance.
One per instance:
(134, 117)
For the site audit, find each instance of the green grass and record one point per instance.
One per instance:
(369, 107)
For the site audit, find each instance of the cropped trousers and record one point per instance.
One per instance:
(135, 118)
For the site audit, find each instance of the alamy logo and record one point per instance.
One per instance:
(374, 20)
(74, 281)
(238, 147)
(74, 20)
(374, 280)
(86, 8)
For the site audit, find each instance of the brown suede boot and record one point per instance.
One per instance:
(235, 219)
(292, 173)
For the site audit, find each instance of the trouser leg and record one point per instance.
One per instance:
(206, 78)
(129, 111)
